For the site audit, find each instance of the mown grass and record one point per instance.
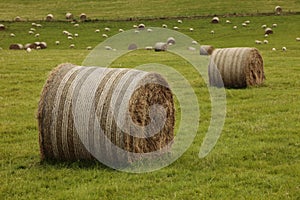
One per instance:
(256, 157)
(104, 9)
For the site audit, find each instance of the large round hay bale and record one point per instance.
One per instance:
(2, 27)
(101, 107)
(206, 50)
(16, 47)
(215, 20)
(278, 10)
(236, 68)
(49, 17)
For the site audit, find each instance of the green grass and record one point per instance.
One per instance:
(104, 9)
(256, 157)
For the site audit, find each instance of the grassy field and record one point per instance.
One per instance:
(256, 157)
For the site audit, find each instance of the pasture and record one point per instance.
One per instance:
(258, 153)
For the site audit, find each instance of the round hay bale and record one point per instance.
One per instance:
(238, 67)
(278, 10)
(268, 31)
(82, 17)
(49, 17)
(16, 47)
(171, 41)
(160, 46)
(104, 97)
(69, 16)
(206, 50)
(215, 20)
(132, 47)
(2, 27)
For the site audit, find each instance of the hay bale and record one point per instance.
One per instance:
(16, 46)
(206, 50)
(278, 10)
(83, 17)
(160, 46)
(73, 93)
(238, 67)
(69, 16)
(215, 20)
(49, 17)
(171, 41)
(2, 27)
(132, 46)
(268, 31)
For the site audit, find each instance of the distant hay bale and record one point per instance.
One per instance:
(69, 16)
(206, 50)
(16, 47)
(83, 17)
(18, 19)
(171, 41)
(238, 67)
(215, 20)
(49, 17)
(160, 46)
(2, 27)
(107, 97)
(278, 10)
(132, 47)
(268, 31)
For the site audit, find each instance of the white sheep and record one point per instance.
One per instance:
(266, 41)
(28, 49)
(70, 38)
(266, 35)
(104, 35)
(89, 48)
(284, 49)
(141, 26)
(121, 30)
(191, 29)
(18, 19)
(57, 42)
(107, 29)
(76, 35)
(12, 35)
(33, 24)
(30, 32)
(179, 21)
(215, 20)
(264, 26)
(273, 49)
(298, 39)
(258, 42)
(194, 42)
(37, 35)
(134, 26)
(65, 32)
(97, 30)
(176, 28)
(149, 30)
(228, 21)
(274, 25)
(148, 48)
(82, 17)
(247, 22)
(235, 27)
(49, 17)
(164, 26)
(69, 15)
(39, 25)
(108, 48)
(212, 32)
(76, 25)
(72, 46)
(33, 29)
(244, 24)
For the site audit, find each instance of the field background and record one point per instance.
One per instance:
(258, 153)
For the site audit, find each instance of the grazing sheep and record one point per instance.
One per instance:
(244, 24)
(149, 30)
(273, 49)
(121, 30)
(258, 42)
(37, 35)
(43, 45)
(228, 21)
(298, 39)
(28, 45)
(104, 35)
(49, 17)
(72, 46)
(39, 25)
(32, 29)
(247, 22)
(179, 21)
(171, 41)
(283, 48)
(212, 32)
(164, 26)
(76, 35)
(268, 31)
(135, 26)
(70, 34)
(57, 42)
(33, 24)
(234, 27)
(65, 32)
(108, 48)
(278, 10)
(176, 28)
(83, 17)
(30, 32)
(107, 29)
(18, 19)
(12, 35)
(191, 29)
(274, 25)
(194, 42)
(266, 35)
(97, 30)
(215, 20)
(69, 16)
(70, 38)
(89, 48)
(16, 47)
(266, 41)
(28, 50)
(76, 25)
(2, 27)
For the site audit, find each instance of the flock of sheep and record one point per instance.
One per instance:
(158, 47)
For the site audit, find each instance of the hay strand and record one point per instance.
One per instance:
(66, 122)
(238, 67)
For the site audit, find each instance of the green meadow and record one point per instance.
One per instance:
(258, 153)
